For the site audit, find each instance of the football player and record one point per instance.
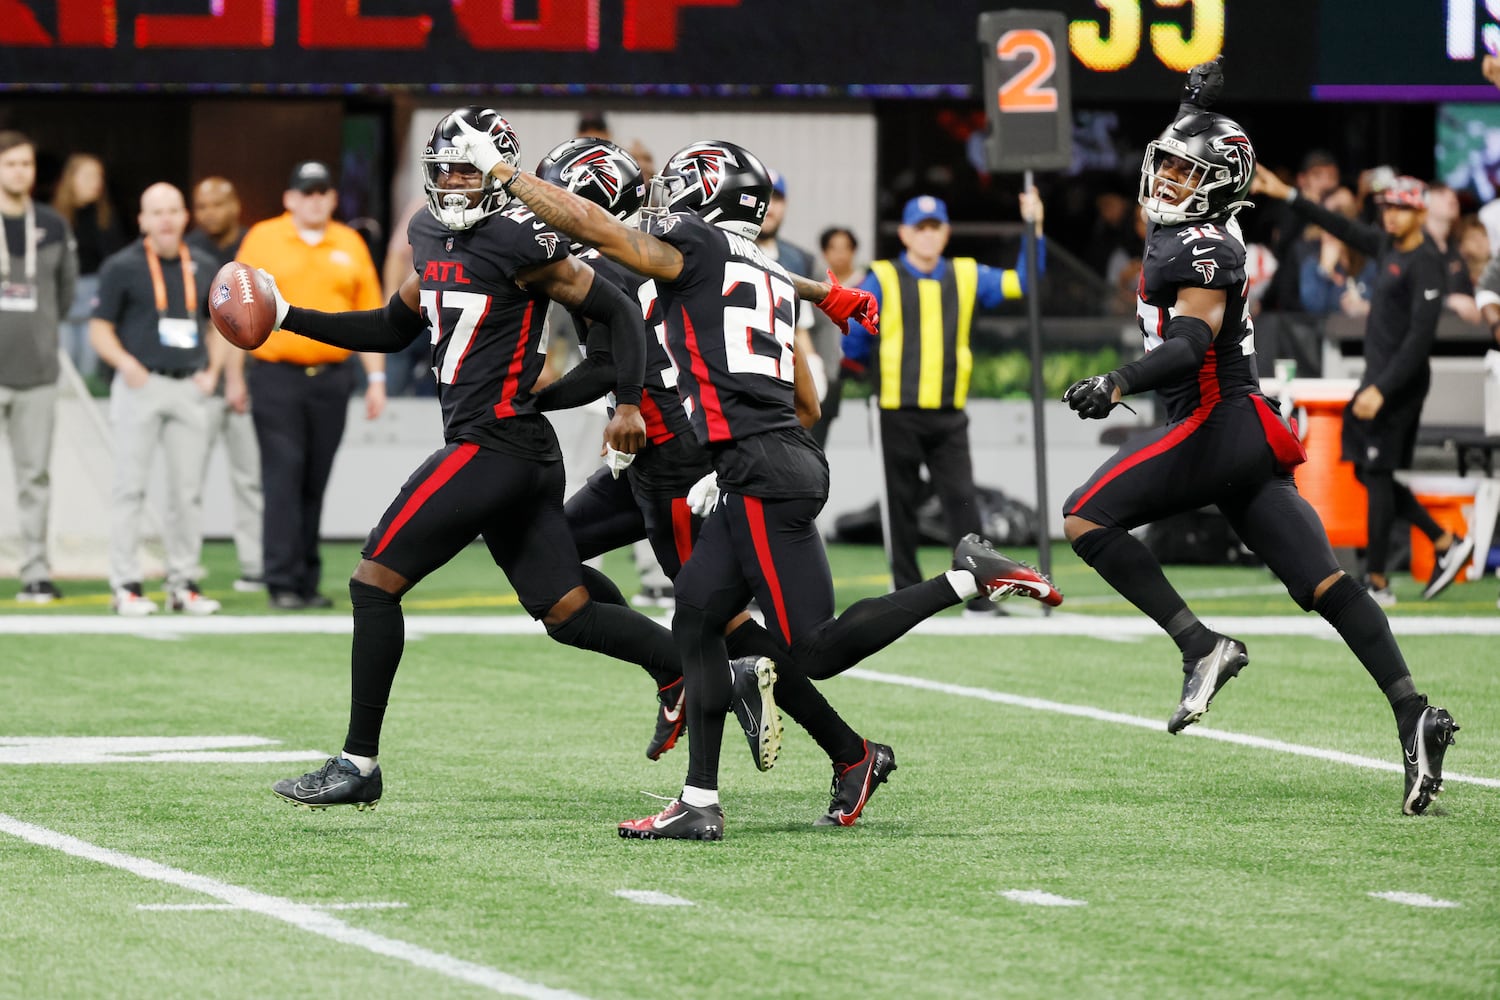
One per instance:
(650, 498)
(728, 317)
(1223, 443)
(485, 270)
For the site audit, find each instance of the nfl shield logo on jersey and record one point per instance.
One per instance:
(448, 244)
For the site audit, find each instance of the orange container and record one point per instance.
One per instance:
(1447, 509)
(1324, 480)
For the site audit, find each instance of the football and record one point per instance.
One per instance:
(242, 305)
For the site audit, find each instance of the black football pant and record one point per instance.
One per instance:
(938, 439)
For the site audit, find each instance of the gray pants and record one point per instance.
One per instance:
(29, 416)
(242, 451)
(171, 414)
(73, 334)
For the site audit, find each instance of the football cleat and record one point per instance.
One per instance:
(755, 706)
(853, 784)
(670, 717)
(1204, 677)
(999, 576)
(336, 783)
(679, 821)
(1422, 748)
(1449, 564)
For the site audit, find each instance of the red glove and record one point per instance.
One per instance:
(842, 304)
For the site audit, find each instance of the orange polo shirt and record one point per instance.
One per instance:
(336, 275)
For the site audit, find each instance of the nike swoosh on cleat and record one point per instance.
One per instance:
(754, 721)
(303, 790)
(674, 714)
(1040, 589)
(661, 823)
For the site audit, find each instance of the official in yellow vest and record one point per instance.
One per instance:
(920, 364)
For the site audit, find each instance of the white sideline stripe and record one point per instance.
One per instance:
(1156, 725)
(1060, 623)
(650, 897)
(1416, 899)
(1035, 897)
(199, 907)
(300, 915)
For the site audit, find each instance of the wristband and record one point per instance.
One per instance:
(506, 185)
(376, 377)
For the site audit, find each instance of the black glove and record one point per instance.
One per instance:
(1092, 398)
(1204, 82)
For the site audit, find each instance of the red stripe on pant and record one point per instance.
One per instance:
(440, 476)
(1177, 435)
(755, 516)
(682, 529)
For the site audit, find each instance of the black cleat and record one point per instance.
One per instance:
(1205, 676)
(336, 783)
(999, 576)
(755, 706)
(679, 821)
(670, 716)
(853, 785)
(1447, 567)
(1423, 745)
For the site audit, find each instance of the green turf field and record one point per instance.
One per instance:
(1028, 763)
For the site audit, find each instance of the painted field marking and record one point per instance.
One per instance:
(146, 749)
(1416, 899)
(203, 907)
(300, 915)
(1156, 725)
(650, 897)
(1035, 897)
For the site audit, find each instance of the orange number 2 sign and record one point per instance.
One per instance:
(1026, 90)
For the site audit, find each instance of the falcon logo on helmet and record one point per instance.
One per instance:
(722, 183)
(708, 162)
(597, 167)
(599, 171)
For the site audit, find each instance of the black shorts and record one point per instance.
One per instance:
(465, 491)
(608, 513)
(1384, 444)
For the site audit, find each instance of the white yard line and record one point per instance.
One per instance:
(1035, 897)
(1420, 899)
(224, 907)
(650, 897)
(299, 915)
(1156, 725)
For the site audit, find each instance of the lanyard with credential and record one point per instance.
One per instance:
(159, 285)
(30, 252)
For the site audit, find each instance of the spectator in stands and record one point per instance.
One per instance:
(1474, 247)
(38, 268)
(920, 363)
(1380, 423)
(214, 242)
(593, 123)
(299, 388)
(82, 199)
(149, 326)
(1338, 277)
(408, 372)
(1287, 236)
(1443, 214)
(839, 249)
(1123, 268)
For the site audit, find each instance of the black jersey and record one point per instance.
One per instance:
(1202, 255)
(488, 333)
(661, 408)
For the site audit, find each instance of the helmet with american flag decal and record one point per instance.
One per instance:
(598, 170)
(724, 183)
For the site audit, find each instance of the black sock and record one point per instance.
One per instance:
(705, 664)
(1350, 609)
(602, 589)
(870, 625)
(624, 634)
(1129, 567)
(374, 655)
(797, 696)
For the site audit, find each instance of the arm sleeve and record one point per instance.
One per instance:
(1186, 342)
(606, 304)
(586, 381)
(384, 331)
(857, 342)
(1365, 238)
(1426, 281)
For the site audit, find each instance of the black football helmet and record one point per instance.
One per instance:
(600, 171)
(1220, 163)
(462, 207)
(724, 183)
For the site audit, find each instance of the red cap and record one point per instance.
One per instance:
(1407, 192)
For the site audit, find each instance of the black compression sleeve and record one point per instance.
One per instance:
(1186, 342)
(627, 336)
(586, 381)
(1365, 238)
(384, 331)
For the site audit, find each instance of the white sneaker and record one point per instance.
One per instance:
(187, 598)
(129, 603)
(1383, 595)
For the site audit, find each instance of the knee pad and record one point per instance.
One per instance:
(1089, 544)
(365, 595)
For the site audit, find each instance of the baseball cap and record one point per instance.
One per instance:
(1407, 192)
(922, 208)
(310, 175)
(778, 182)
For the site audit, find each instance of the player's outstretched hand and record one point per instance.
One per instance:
(281, 303)
(1205, 82)
(626, 431)
(1092, 398)
(703, 496)
(475, 146)
(842, 304)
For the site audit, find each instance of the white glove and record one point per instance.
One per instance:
(703, 497)
(616, 461)
(476, 146)
(281, 303)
